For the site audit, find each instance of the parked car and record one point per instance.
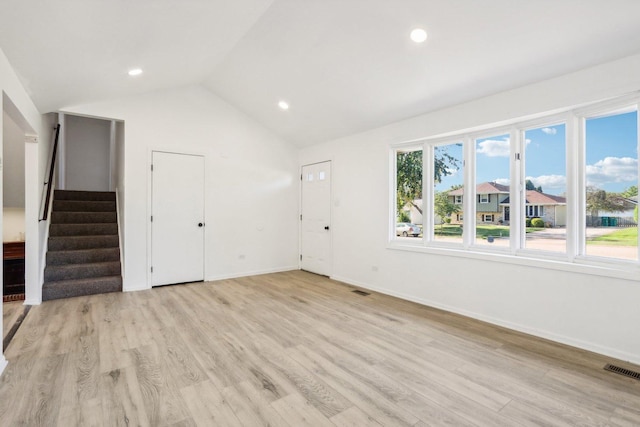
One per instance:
(407, 229)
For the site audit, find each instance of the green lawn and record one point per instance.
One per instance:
(624, 237)
(481, 230)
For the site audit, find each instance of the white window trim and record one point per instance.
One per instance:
(484, 201)
(575, 258)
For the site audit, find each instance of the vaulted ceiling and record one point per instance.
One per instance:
(344, 66)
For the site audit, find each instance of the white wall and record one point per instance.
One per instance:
(594, 312)
(16, 103)
(119, 184)
(87, 153)
(252, 190)
(13, 170)
(13, 224)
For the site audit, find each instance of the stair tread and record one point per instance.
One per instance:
(83, 264)
(83, 218)
(76, 205)
(70, 288)
(85, 251)
(84, 195)
(72, 282)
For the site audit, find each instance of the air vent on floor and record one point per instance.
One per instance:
(359, 292)
(622, 371)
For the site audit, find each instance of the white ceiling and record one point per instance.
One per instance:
(344, 66)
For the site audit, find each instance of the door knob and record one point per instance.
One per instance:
(326, 227)
(200, 224)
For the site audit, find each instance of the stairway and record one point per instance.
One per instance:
(83, 256)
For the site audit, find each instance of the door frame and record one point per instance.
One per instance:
(331, 203)
(172, 150)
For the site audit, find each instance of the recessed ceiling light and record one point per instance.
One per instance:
(418, 35)
(283, 105)
(135, 72)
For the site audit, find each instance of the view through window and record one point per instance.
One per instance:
(493, 215)
(409, 173)
(545, 189)
(593, 204)
(611, 193)
(448, 180)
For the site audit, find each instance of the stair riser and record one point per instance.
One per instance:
(79, 243)
(82, 256)
(84, 195)
(83, 217)
(56, 290)
(83, 206)
(56, 230)
(80, 271)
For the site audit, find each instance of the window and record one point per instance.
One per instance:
(448, 178)
(487, 218)
(545, 187)
(409, 172)
(493, 171)
(534, 211)
(529, 189)
(611, 185)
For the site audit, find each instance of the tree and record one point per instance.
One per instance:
(529, 185)
(599, 200)
(442, 205)
(630, 192)
(409, 175)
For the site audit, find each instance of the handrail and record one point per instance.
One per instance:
(48, 184)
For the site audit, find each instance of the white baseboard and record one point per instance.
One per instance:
(33, 302)
(3, 363)
(136, 289)
(251, 273)
(596, 348)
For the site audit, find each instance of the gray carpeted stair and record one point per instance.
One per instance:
(83, 256)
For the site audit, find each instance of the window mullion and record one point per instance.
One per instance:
(469, 195)
(516, 228)
(427, 193)
(576, 186)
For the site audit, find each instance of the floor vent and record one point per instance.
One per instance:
(622, 371)
(363, 293)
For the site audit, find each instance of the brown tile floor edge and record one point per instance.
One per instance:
(15, 317)
(294, 349)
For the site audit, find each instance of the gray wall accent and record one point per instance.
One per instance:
(87, 153)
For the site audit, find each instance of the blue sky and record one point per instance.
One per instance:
(611, 156)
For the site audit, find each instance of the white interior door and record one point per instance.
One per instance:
(316, 218)
(177, 222)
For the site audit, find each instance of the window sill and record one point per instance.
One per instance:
(583, 265)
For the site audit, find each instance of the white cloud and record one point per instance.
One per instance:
(502, 181)
(494, 147)
(452, 171)
(548, 181)
(550, 131)
(612, 169)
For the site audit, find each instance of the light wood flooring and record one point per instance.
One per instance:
(293, 349)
